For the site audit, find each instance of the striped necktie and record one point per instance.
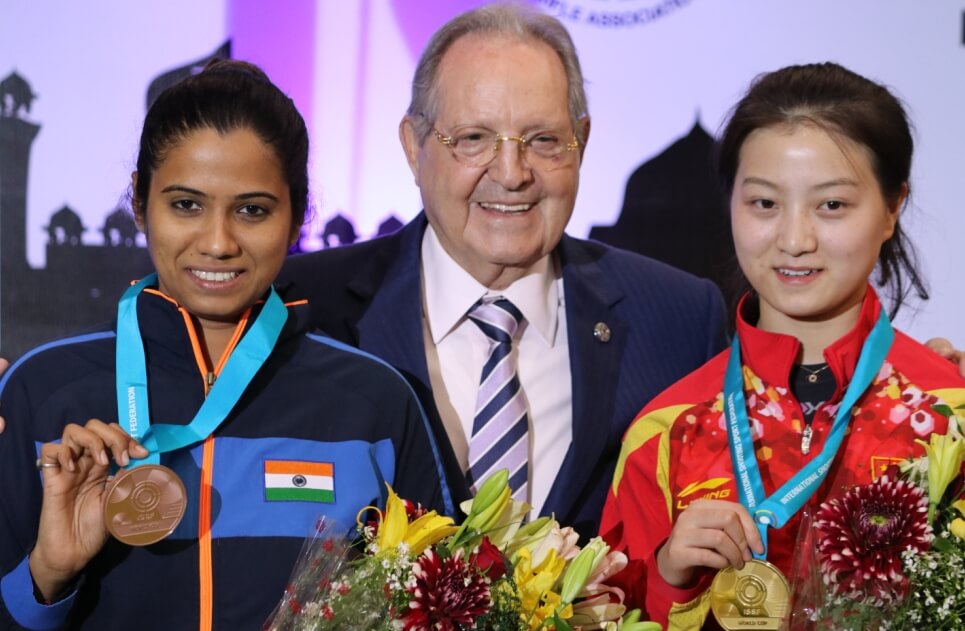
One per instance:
(500, 429)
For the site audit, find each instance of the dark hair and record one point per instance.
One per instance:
(225, 96)
(844, 104)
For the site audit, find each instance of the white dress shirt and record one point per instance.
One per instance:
(456, 350)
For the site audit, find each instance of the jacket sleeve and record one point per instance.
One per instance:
(638, 511)
(421, 461)
(20, 499)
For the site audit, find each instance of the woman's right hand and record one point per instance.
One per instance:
(72, 527)
(708, 533)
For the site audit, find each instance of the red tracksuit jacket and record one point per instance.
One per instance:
(676, 451)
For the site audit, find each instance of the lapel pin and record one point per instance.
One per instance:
(601, 332)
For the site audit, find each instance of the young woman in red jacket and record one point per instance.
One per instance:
(818, 392)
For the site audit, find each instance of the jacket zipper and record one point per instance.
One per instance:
(205, 561)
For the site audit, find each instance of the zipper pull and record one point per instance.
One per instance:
(210, 380)
(806, 440)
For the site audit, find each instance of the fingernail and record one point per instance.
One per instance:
(125, 458)
(102, 458)
(71, 466)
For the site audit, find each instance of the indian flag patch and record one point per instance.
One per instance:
(299, 481)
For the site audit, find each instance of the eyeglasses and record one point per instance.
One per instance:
(478, 147)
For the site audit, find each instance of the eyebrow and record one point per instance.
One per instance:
(535, 127)
(843, 181)
(178, 188)
(759, 181)
(257, 194)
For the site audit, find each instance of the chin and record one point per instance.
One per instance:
(217, 312)
(812, 313)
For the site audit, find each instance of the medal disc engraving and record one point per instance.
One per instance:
(755, 597)
(144, 504)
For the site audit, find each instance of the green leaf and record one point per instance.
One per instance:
(943, 409)
(560, 624)
(631, 616)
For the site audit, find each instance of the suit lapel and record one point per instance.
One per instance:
(391, 325)
(594, 367)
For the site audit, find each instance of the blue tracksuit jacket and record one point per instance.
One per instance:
(314, 401)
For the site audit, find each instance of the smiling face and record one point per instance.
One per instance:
(808, 220)
(498, 220)
(218, 223)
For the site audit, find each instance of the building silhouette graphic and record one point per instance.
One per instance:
(674, 211)
(81, 283)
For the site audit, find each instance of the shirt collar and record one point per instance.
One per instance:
(449, 291)
(771, 355)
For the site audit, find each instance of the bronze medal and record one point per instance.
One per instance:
(144, 504)
(755, 597)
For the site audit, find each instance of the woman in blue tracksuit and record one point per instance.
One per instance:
(211, 374)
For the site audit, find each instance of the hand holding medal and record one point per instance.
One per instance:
(709, 533)
(76, 476)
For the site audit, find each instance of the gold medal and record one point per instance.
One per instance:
(755, 597)
(144, 504)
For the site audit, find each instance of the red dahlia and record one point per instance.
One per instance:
(862, 535)
(449, 594)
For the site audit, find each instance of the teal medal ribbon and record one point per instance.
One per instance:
(776, 510)
(131, 367)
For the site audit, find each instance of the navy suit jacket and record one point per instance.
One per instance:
(664, 323)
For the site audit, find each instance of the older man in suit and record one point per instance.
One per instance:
(533, 350)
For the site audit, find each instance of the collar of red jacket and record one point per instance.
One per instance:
(771, 355)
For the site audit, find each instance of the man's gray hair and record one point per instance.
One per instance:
(514, 20)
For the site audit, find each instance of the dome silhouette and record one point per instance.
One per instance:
(65, 227)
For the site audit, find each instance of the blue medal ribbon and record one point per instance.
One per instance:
(131, 367)
(777, 510)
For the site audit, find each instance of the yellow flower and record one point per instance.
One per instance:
(535, 584)
(958, 527)
(392, 523)
(428, 530)
(945, 454)
(394, 527)
(960, 507)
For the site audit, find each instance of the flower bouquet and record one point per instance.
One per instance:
(892, 553)
(412, 569)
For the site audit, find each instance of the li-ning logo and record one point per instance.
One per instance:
(131, 411)
(709, 486)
